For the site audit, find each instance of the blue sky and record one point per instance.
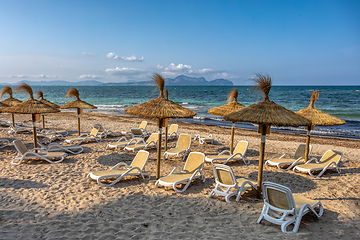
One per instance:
(295, 42)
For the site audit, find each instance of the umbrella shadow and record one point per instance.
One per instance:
(20, 184)
(297, 183)
(114, 158)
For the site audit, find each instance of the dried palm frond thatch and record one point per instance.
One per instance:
(9, 101)
(73, 92)
(40, 94)
(232, 106)
(318, 117)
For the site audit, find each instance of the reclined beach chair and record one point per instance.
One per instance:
(4, 142)
(172, 131)
(46, 139)
(57, 147)
(283, 208)
(182, 147)
(227, 185)
(24, 153)
(286, 161)
(92, 136)
(204, 139)
(19, 129)
(105, 133)
(329, 161)
(193, 168)
(137, 132)
(60, 134)
(151, 142)
(122, 142)
(136, 168)
(226, 156)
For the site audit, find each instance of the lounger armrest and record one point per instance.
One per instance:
(120, 139)
(225, 151)
(285, 154)
(120, 164)
(312, 160)
(172, 134)
(38, 149)
(133, 141)
(175, 168)
(150, 143)
(84, 135)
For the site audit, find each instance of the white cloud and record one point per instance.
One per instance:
(28, 76)
(89, 76)
(88, 54)
(127, 59)
(124, 71)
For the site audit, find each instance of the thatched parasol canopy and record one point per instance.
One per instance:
(232, 106)
(73, 92)
(30, 106)
(317, 117)
(2, 106)
(266, 113)
(161, 109)
(78, 104)
(39, 94)
(9, 101)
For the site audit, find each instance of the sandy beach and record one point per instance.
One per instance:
(56, 201)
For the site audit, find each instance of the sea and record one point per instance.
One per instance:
(340, 101)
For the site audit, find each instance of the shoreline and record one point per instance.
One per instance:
(41, 200)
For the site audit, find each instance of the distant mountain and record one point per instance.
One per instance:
(180, 80)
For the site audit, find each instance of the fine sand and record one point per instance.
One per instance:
(56, 201)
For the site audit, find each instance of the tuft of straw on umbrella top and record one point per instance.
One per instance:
(40, 94)
(9, 101)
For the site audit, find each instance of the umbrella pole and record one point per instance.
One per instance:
(160, 121)
(166, 136)
(232, 138)
(43, 121)
(307, 150)
(13, 119)
(261, 160)
(34, 130)
(78, 116)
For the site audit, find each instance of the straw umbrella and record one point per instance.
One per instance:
(317, 117)
(9, 101)
(161, 109)
(78, 104)
(30, 106)
(266, 113)
(226, 109)
(39, 94)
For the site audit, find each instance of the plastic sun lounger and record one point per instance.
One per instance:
(329, 161)
(227, 185)
(92, 136)
(193, 168)
(24, 153)
(286, 161)
(19, 129)
(105, 133)
(122, 142)
(182, 147)
(283, 208)
(138, 132)
(204, 139)
(226, 156)
(136, 168)
(172, 131)
(4, 142)
(56, 147)
(151, 142)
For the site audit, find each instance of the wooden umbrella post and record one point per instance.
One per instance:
(263, 130)
(78, 116)
(166, 135)
(34, 129)
(232, 137)
(13, 119)
(43, 121)
(307, 150)
(160, 122)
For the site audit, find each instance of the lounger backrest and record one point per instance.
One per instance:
(136, 132)
(224, 175)
(331, 156)
(241, 147)
(95, 130)
(300, 151)
(278, 196)
(194, 162)
(184, 141)
(154, 137)
(143, 125)
(100, 127)
(20, 147)
(173, 128)
(140, 159)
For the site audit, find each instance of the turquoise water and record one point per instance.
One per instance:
(340, 101)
